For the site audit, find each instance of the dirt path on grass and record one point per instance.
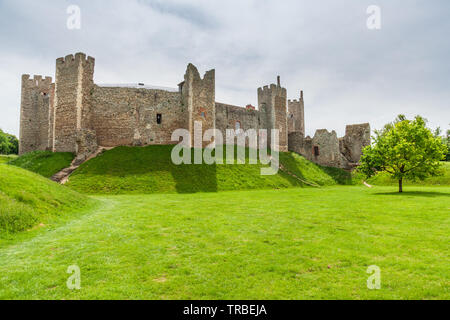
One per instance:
(63, 176)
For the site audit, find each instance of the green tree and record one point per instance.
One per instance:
(13, 144)
(4, 143)
(404, 149)
(447, 142)
(8, 143)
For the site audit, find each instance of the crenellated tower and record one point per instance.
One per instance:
(73, 90)
(296, 115)
(272, 104)
(35, 111)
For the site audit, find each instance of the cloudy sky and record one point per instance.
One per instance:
(349, 74)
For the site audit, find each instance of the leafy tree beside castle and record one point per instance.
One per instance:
(447, 142)
(8, 143)
(404, 149)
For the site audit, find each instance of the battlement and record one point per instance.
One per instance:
(37, 81)
(272, 89)
(36, 98)
(74, 60)
(295, 100)
(73, 85)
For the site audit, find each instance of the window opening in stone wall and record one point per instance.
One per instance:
(158, 118)
(316, 151)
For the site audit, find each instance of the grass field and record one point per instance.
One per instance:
(296, 243)
(139, 170)
(45, 163)
(8, 158)
(158, 231)
(27, 199)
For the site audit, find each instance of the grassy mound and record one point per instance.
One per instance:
(383, 179)
(45, 163)
(27, 199)
(134, 170)
(7, 158)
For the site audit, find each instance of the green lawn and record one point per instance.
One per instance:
(27, 199)
(45, 163)
(7, 158)
(139, 170)
(296, 243)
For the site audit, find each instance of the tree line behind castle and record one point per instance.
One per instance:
(9, 144)
(73, 114)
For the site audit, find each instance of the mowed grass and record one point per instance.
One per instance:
(144, 170)
(28, 199)
(7, 158)
(45, 163)
(296, 243)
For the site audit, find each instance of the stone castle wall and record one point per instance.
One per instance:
(36, 102)
(73, 90)
(296, 115)
(326, 149)
(128, 116)
(272, 102)
(198, 95)
(227, 117)
(75, 115)
(357, 136)
(51, 118)
(238, 119)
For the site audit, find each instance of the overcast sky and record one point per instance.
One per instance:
(349, 74)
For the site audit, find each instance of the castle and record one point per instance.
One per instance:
(73, 114)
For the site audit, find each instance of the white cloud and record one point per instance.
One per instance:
(348, 73)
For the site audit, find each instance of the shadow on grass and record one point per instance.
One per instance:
(431, 194)
(339, 176)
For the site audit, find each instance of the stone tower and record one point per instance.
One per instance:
(198, 95)
(357, 136)
(73, 90)
(36, 105)
(296, 115)
(272, 103)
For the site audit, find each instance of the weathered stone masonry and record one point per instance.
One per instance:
(36, 104)
(76, 115)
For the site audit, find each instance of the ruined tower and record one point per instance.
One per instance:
(198, 95)
(296, 115)
(272, 104)
(36, 105)
(357, 136)
(73, 90)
